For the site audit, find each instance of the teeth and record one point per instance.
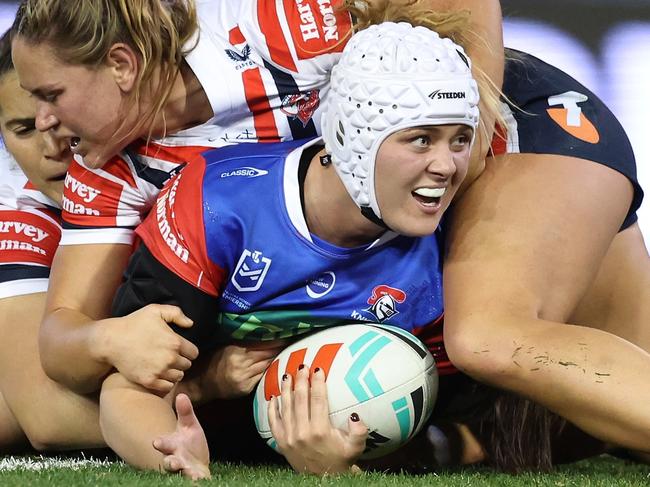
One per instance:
(74, 142)
(430, 192)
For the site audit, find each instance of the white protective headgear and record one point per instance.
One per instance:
(390, 77)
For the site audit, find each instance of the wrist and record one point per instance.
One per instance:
(100, 341)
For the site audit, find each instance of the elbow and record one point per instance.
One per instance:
(47, 352)
(63, 370)
(483, 350)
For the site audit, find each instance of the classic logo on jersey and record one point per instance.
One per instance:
(383, 302)
(571, 118)
(250, 271)
(301, 105)
(246, 172)
(241, 58)
(322, 285)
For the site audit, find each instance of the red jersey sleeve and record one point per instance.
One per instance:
(174, 230)
(28, 241)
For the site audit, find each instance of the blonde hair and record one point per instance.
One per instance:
(83, 31)
(452, 24)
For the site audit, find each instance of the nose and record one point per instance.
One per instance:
(45, 119)
(56, 148)
(442, 163)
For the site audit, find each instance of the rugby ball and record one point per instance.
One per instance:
(383, 373)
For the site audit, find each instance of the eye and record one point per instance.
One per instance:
(420, 141)
(461, 141)
(50, 97)
(47, 97)
(24, 130)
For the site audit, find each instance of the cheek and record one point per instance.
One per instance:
(461, 161)
(27, 154)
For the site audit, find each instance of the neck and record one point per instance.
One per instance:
(330, 212)
(187, 105)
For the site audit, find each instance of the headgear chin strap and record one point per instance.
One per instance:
(392, 77)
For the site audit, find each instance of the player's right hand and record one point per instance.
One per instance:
(143, 347)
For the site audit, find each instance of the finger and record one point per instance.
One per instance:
(318, 399)
(172, 375)
(161, 386)
(188, 350)
(185, 412)
(173, 314)
(262, 355)
(165, 444)
(172, 464)
(357, 435)
(286, 406)
(301, 398)
(182, 363)
(258, 368)
(275, 421)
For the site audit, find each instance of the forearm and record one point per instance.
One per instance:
(148, 417)
(592, 378)
(74, 350)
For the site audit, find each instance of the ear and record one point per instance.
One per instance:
(124, 64)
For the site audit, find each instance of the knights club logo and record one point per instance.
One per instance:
(383, 302)
(301, 105)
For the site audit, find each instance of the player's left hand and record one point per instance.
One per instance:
(186, 449)
(235, 370)
(304, 433)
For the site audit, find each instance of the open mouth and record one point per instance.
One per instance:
(74, 144)
(429, 197)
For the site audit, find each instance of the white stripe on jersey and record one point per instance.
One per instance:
(511, 128)
(22, 287)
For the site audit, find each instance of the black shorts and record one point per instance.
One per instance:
(554, 114)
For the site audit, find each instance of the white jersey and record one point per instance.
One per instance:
(264, 66)
(29, 232)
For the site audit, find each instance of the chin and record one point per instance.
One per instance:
(94, 160)
(416, 230)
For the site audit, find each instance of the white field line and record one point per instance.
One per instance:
(46, 463)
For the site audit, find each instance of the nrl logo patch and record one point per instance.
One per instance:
(301, 105)
(250, 271)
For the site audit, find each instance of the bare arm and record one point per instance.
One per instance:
(50, 416)
(79, 346)
(525, 246)
(83, 281)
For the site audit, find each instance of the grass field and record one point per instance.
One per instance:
(603, 471)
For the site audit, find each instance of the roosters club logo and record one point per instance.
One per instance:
(383, 302)
(301, 105)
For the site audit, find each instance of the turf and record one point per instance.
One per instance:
(35, 471)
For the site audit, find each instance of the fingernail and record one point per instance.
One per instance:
(317, 369)
(285, 377)
(301, 366)
(354, 417)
